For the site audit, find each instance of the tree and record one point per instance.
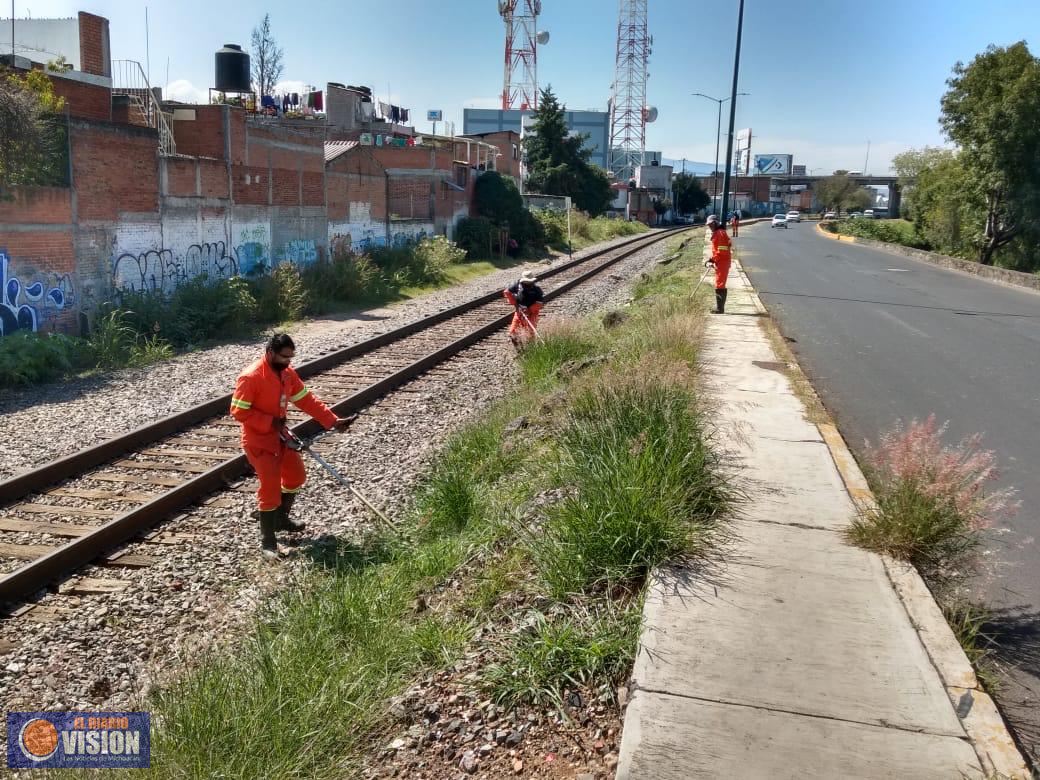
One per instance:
(33, 146)
(689, 195)
(267, 58)
(992, 112)
(837, 192)
(558, 162)
(497, 198)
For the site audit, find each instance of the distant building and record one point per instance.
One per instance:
(594, 124)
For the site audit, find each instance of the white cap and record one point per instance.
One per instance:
(712, 218)
(528, 277)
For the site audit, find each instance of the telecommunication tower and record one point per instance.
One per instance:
(520, 86)
(629, 113)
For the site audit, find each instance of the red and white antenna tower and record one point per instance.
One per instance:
(520, 86)
(629, 112)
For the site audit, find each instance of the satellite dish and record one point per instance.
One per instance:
(502, 7)
(537, 7)
(650, 114)
(542, 37)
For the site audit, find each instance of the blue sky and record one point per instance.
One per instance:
(825, 78)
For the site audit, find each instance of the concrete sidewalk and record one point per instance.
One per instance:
(795, 654)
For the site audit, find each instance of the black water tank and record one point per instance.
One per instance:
(233, 69)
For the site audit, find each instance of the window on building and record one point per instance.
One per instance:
(516, 152)
(461, 175)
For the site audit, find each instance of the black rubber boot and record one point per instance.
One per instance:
(284, 523)
(720, 299)
(268, 523)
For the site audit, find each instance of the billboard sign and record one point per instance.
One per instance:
(744, 135)
(778, 164)
(799, 170)
(434, 116)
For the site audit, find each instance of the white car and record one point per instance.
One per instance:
(830, 215)
(779, 220)
(856, 215)
(794, 216)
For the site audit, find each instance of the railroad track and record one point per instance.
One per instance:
(115, 492)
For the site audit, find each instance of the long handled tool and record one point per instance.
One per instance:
(527, 321)
(294, 442)
(708, 266)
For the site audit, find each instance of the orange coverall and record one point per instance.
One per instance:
(261, 397)
(518, 324)
(721, 255)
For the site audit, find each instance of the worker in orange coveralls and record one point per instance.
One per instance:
(260, 403)
(721, 256)
(735, 223)
(527, 298)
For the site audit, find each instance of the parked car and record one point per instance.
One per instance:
(869, 214)
(794, 216)
(856, 215)
(830, 215)
(779, 220)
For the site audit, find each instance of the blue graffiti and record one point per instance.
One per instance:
(20, 306)
(252, 258)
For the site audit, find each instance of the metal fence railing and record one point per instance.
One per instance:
(128, 78)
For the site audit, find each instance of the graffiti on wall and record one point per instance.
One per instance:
(361, 238)
(162, 271)
(300, 252)
(253, 251)
(26, 307)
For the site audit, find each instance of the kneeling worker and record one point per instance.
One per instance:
(260, 403)
(528, 299)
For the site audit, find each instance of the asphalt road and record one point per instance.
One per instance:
(883, 338)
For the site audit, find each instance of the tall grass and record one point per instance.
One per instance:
(562, 343)
(553, 503)
(646, 486)
(566, 650)
(933, 499)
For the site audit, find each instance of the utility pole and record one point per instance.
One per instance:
(732, 114)
(718, 136)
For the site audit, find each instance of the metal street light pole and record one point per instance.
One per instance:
(718, 136)
(732, 114)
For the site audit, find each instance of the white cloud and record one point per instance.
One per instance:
(186, 92)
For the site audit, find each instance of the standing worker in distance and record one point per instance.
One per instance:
(260, 403)
(721, 256)
(527, 298)
(735, 222)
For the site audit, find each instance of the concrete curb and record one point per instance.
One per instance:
(978, 714)
(1004, 276)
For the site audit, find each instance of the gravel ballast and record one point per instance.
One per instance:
(106, 651)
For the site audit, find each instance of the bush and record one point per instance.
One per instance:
(932, 503)
(425, 263)
(281, 295)
(473, 235)
(32, 358)
(891, 231)
(197, 311)
(112, 339)
(346, 277)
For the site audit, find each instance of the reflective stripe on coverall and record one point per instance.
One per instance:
(262, 395)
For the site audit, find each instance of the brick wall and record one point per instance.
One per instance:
(202, 136)
(94, 51)
(114, 170)
(39, 251)
(83, 100)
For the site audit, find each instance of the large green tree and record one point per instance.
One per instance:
(558, 161)
(992, 112)
(838, 191)
(689, 195)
